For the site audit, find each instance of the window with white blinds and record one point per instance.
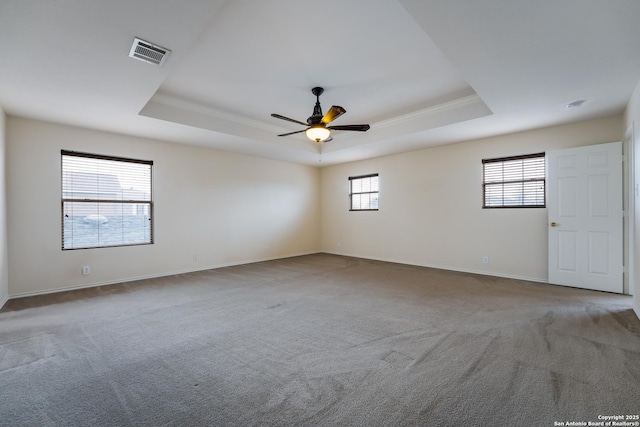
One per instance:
(363, 192)
(106, 201)
(514, 182)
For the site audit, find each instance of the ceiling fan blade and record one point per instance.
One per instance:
(291, 133)
(334, 112)
(359, 128)
(278, 116)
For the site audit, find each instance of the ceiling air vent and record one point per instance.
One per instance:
(148, 52)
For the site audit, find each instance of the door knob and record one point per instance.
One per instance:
(553, 224)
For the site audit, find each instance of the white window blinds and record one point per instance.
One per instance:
(363, 192)
(511, 182)
(106, 201)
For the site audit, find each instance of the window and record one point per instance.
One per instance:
(106, 201)
(363, 192)
(514, 182)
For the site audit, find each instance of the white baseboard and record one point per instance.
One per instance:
(449, 268)
(150, 276)
(231, 264)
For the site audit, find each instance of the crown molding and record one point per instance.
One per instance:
(430, 111)
(207, 110)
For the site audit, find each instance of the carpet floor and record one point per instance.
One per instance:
(319, 340)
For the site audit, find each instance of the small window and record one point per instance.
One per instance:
(363, 192)
(514, 182)
(106, 201)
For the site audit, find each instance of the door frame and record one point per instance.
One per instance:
(629, 195)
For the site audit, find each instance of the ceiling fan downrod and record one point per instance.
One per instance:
(316, 117)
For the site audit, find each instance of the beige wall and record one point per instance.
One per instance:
(4, 262)
(230, 209)
(430, 205)
(225, 208)
(632, 124)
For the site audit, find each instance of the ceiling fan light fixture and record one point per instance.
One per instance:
(318, 133)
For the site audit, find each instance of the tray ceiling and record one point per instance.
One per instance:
(422, 73)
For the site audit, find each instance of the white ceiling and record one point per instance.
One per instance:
(421, 72)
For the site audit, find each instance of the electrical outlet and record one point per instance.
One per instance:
(86, 270)
(485, 260)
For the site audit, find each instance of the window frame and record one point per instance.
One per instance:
(351, 193)
(486, 183)
(99, 200)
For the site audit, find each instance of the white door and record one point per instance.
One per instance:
(584, 203)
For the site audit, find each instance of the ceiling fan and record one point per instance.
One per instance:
(317, 129)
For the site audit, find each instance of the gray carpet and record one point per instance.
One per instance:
(319, 340)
